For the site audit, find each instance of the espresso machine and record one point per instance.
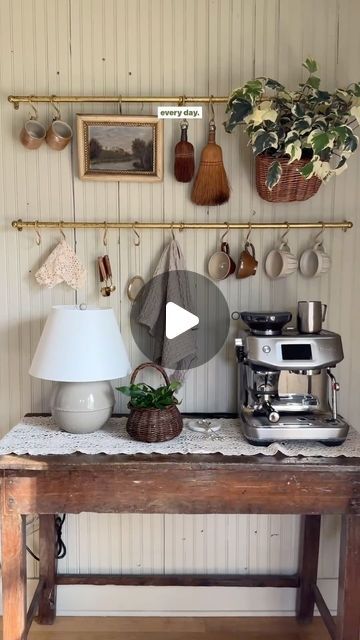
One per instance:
(286, 388)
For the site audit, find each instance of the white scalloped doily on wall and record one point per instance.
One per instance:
(40, 436)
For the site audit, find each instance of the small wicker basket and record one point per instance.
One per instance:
(291, 187)
(153, 425)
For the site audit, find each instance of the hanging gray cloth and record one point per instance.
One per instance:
(169, 283)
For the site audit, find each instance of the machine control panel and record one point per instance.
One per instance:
(292, 351)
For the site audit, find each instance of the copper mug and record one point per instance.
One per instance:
(247, 264)
(32, 134)
(58, 135)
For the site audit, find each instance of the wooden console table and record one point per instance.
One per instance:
(179, 484)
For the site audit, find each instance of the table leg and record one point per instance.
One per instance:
(348, 618)
(13, 535)
(48, 565)
(309, 555)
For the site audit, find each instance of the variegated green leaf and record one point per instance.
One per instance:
(264, 140)
(351, 143)
(307, 170)
(319, 140)
(313, 82)
(294, 151)
(273, 175)
(274, 84)
(303, 125)
(310, 64)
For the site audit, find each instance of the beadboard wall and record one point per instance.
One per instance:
(193, 47)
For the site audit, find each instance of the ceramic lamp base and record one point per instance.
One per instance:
(82, 407)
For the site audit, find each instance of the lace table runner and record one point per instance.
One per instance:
(40, 436)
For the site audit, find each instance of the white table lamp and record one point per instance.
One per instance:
(81, 348)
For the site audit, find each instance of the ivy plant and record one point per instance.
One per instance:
(308, 123)
(143, 396)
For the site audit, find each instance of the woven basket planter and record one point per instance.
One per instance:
(153, 425)
(291, 187)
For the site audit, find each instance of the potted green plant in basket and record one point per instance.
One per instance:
(154, 416)
(300, 138)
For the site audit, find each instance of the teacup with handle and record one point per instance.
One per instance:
(280, 263)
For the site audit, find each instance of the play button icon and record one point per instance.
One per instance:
(168, 309)
(178, 320)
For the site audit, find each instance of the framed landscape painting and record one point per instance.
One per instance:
(120, 148)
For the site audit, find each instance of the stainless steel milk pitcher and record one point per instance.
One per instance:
(310, 316)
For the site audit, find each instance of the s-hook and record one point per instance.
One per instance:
(320, 233)
(61, 229)
(284, 235)
(38, 236)
(137, 241)
(225, 232)
(105, 234)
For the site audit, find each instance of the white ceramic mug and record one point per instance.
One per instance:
(280, 262)
(314, 261)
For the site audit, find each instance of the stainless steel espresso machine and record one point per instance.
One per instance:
(286, 389)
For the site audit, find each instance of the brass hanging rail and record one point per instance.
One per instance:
(183, 99)
(181, 226)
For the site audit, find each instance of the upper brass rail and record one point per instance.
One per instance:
(42, 224)
(16, 100)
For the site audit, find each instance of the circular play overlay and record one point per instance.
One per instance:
(180, 319)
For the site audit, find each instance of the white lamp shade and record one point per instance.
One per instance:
(80, 345)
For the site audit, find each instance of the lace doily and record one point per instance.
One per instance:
(40, 436)
(62, 265)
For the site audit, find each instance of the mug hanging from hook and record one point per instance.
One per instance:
(38, 236)
(137, 240)
(57, 115)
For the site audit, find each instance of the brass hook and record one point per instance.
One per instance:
(249, 233)
(211, 109)
(250, 226)
(120, 104)
(38, 236)
(55, 107)
(286, 233)
(226, 232)
(105, 234)
(320, 233)
(61, 229)
(138, 241)
(35, 115)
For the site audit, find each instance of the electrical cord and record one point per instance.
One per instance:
(59, 545)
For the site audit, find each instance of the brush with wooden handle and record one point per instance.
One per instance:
(211, 185)
(184, 164)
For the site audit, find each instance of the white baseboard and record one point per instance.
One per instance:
(88, 600)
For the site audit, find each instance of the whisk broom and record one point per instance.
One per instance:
(211, 186)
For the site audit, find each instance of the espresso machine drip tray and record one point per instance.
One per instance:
(258, 430)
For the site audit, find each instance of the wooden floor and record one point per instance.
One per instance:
(179, 629)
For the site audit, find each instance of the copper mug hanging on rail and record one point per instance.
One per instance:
(59, 133)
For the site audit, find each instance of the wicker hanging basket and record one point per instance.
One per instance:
(291, 187)
(153, 425)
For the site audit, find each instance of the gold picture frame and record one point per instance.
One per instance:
(120, 148)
